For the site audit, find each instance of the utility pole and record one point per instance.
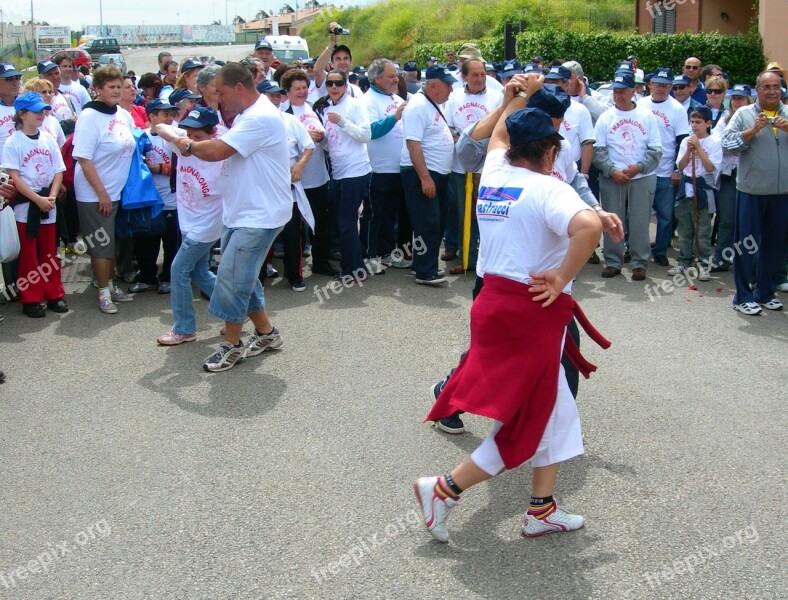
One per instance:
(33, 30)
(101, 17)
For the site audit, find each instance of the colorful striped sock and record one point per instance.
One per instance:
(540, 508)
(443, 490)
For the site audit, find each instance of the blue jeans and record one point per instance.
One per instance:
(352, 192)
(663, 205)
(189, 266)
(238, 290)
(428, 217)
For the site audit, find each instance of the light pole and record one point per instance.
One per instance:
(101, 17)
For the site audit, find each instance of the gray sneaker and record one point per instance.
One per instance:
(257, 344)
(107, 306)
(118, 295)
(164, 287)
(225, 358)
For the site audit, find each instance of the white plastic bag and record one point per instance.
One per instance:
(9, 235)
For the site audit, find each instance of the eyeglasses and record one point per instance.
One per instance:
(692, 67)
(715, 92)
(334, 83)
(679, 87)
(14, 78)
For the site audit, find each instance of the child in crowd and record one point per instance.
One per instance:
(706, 153)
(200, 216)
(33, 160)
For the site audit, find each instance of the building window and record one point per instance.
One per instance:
(664, 19)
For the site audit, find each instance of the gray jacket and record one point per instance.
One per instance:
(763, 164)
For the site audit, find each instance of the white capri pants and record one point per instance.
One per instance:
(562, 438)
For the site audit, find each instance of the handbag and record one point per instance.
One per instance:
(9, 235)
(140, 214)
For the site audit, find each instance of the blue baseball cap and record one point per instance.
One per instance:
(510, 69)
(440, 72)
(681, 80)
(741, 89)
(625, 66)
(31, 101)
(359, 70)
(410, 66)
(557, 73)
(662, 75)
(531, 68)
(8, 70)
(432, 59)
(45, 66)
(623, 81)
(199, 117)
(263, 45)
(157, 104)
(451, 67)
(309, 61)
(529, 125)
(190, 64)
(705, 111)
(552, 99)
(268, 87)
(182, 94)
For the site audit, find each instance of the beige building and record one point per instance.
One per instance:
(725, 16)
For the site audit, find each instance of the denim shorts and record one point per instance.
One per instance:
(238, 290)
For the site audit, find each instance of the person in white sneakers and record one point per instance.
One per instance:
(536, 235)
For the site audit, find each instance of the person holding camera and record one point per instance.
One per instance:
(340, 58)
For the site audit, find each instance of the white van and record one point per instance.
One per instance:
(288, 48)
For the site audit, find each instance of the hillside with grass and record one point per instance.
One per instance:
(395, 27)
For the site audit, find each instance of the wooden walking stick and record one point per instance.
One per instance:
(696, 216)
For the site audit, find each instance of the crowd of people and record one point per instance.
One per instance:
(512, 172)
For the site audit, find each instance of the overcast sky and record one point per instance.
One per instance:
(78, 13)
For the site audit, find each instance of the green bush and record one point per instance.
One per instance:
(741, 56)
(491, 48)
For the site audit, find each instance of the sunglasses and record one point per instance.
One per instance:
(691, 67)
(14, 78)
(334, 83)
(679, 87)
(708, 91)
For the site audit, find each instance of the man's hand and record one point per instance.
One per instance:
(675, 178)
(781, 124)
(631, 171)
(315, 134)
(548, 285)
(612, 225)
(428, 187)
(331, 35)
(8, 191)
(295, 173)
(398, 112)
(533, 83)
(619, 176)
(334, 118)
(760, 123)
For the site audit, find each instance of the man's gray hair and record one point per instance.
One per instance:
(575, 68)
(206, 76)
(376, 68)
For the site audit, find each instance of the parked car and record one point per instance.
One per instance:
(103, 45)
(116, 60)
(78, 55)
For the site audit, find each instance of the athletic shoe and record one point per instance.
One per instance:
(748, 308)
(141, 286)
(307, 252)
(783, 287)
(661, 260)
(559, 521)
(440, 272)
(270, 272)
(298, 285)
(677, 270)
(164, 287)
(431, 280)
(705, 275)
(225, 358)
(107, 306)
(257, 343)
(398, 263)
(436, 389)
(773, 304)
(434, 508)
(593, 259)
(59, 306)
(173, 339)
(374, 266)
(452, 424)
(119, 296)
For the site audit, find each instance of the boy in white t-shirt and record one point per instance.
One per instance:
(706, 153)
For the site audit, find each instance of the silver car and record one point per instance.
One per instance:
(116, 60)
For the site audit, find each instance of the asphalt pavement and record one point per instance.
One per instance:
(128, 472)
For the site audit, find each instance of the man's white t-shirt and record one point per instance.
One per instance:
(52, 126)
(256, 180)
(38, 161)
(105, 139)
(523, 220)
(199, 193)
(160, 155)
(565, 168)
(627, 135)
(421, 122)
(385, 151)
(61, 109)
(672, 121)
(463, 109)
(349, 157)
(77, 93)
(577, 127)
(7, 128)
(315, 172)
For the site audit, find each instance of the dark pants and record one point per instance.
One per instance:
(171, 241)
(291, 240)
(352, 191)
(761, 220)
(321, 209)
(428, 217)
(404, 228)
(71, 217)
(380, 214)
(146, 249)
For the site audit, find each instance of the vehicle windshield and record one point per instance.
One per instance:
(290, 54)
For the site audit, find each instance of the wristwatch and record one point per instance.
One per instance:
(188, 147)
(523, 95)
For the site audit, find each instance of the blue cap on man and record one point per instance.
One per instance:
(662, 75)
(623, 81)
(45, 66)
(8, 70)
(440, 72)
(529, 125)
(510, 69)
(558, 73)
(552, 99)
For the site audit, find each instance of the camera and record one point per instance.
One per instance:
(4, 178)
(770, 120)
(339, 30)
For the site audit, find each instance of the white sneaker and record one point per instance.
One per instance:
(107, 306)
(783, 287)
(559, 521)
(400, 262)
(773, 304)
(257, 344)
(677, 270)
(434, 508)
(748, 308)
(118, 295)
(374, 266)
(705, 275)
